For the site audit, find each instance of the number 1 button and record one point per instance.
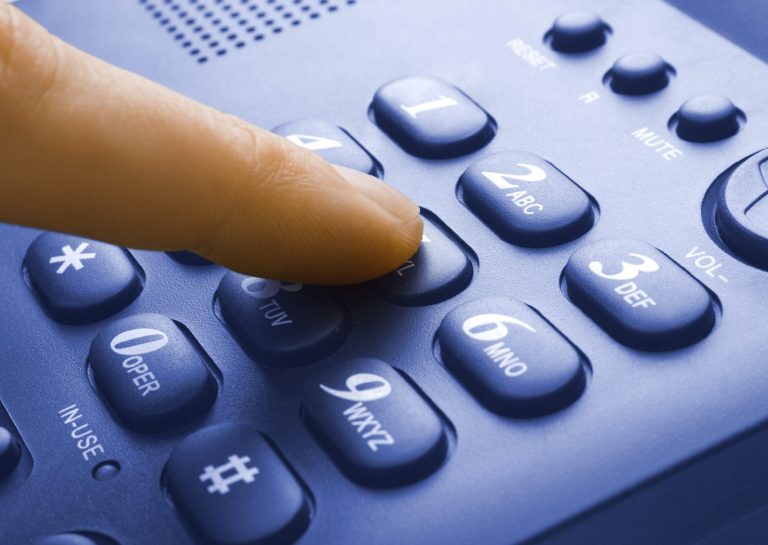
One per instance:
(430, 118)
(639, 295)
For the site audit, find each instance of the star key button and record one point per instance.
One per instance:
(79, 280)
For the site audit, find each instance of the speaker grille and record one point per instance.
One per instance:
(208, 29)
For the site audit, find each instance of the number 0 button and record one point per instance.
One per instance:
(639, 295)
(511, 358)
(375, 425)
(430, 118)
(151, 374)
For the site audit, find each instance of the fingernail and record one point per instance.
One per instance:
(387, 197)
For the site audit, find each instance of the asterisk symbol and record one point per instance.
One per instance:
(72, 258)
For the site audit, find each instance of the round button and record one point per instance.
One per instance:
(577, 31)
(742, 210)
(639, 74)
(9, 452)
(707, 118)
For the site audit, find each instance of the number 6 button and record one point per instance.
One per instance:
(511, 358)
(639, 295)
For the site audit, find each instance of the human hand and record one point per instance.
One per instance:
(90, 149)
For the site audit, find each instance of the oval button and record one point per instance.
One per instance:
(639, 295)
(151, 374)
(233, 488)
(282, 323)
(511, 358)
(430, 118)
(437, 271)
(526, 200)
(332, 143)
(375, 425)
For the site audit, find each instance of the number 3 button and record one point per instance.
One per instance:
(511, 358)
(639, 295)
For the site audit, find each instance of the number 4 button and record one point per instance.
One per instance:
(332, 143)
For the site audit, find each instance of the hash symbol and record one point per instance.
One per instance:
(221, 484)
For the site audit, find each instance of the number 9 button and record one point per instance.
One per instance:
(512, 359)
(639, 295)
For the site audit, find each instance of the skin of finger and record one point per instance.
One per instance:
(93, 150)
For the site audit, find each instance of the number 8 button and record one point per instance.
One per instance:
(639, 295)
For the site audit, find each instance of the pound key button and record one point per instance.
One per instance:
(332, 143)
(234, 489)
(282, 324)
(526, 200)
(437, 271)
(431, 118)
(639, 295)
(377, 428)
(510, 358)
(80, 280)
(151, 374)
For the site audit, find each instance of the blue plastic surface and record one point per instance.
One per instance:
(660, 448)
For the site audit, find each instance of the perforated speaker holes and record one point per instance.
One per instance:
(212, 28)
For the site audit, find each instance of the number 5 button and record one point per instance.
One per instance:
(512, 359)
(639, 295)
